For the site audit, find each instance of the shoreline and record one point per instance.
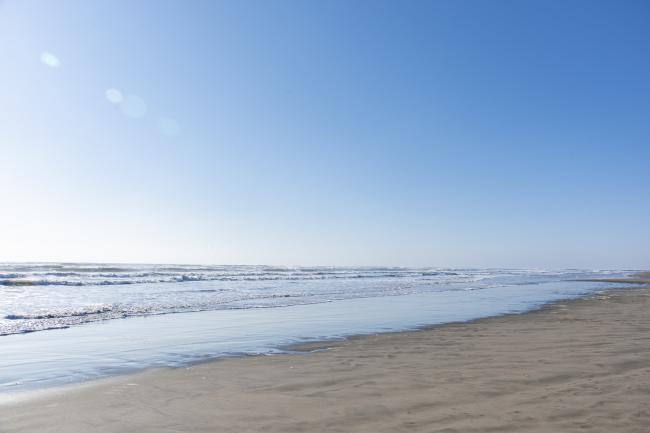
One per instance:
(296, 348)
(313, 346)
(184, 381)
(638, 278)
(641, 279)
(118, 347)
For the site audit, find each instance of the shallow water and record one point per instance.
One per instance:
(231, 310)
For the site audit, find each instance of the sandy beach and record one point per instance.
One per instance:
(579, 365)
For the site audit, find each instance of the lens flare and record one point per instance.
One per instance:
(50, 59)
(114, 96)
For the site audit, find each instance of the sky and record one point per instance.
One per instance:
(423, 133)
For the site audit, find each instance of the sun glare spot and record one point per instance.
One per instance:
(114, 96)
(50, 59)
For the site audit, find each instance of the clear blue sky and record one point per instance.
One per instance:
(437, 133)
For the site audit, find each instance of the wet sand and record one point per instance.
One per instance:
(640, 278)
(575, 366)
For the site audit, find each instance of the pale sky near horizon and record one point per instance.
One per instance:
(424, 133)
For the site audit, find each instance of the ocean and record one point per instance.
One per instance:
(65, 323)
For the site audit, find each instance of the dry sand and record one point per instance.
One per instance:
(580, 366)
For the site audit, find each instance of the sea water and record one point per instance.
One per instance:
(66, 322)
